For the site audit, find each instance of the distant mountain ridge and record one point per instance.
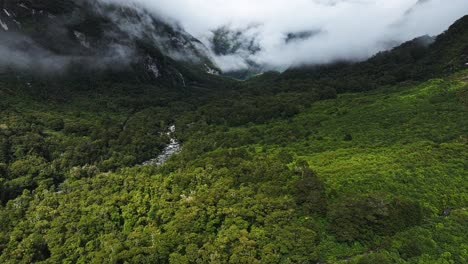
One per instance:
(93, 39)
(419, 59)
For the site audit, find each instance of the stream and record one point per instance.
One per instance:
(172, 148)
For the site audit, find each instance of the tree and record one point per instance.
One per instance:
(374, 258)
(4, 149)
(364, 217)
(309, 191)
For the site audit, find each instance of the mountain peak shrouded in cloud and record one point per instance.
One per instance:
(97, 39)
(301, 35)
(349, 29)
(242, 35)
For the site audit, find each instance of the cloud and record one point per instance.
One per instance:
(350, 29)
(273, 34)
(55, 50)
(18, 51)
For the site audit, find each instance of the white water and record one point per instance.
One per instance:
(4, 25)
(172, 148)
(182, 78)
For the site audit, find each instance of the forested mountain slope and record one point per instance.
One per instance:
(371, 177)
(96, 40)
(420, 59)
(297, 167)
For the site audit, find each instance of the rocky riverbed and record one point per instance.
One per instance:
(172, 148)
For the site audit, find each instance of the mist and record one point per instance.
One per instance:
(348, 29)
(18, 51)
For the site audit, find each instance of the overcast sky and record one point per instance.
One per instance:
(350, 29)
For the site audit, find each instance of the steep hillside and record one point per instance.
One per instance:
(375, 177)
(347, 163)
(417, 60)
(93, 39)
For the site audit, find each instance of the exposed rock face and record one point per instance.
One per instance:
(301, 35)
(227, 41)
(104, 35)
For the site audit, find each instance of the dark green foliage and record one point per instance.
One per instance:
(56, 124)
(309, 191)
(235, 193)
(269, 172)
(375, 258)
(417, 60)
(78, 129)
(364, 218)
(4, 149)
(348, 137)
(416, 242)
(404, 214)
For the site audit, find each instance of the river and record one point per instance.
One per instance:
(172, 148)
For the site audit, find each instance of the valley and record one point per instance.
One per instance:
(168, 160)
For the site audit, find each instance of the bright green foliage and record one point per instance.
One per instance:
(195, 213)
(277, 169)
(288, 191)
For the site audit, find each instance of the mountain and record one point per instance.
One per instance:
(123, 42)
(301, 35)
(238, 45)
(106, 159)
(226, 41)
(419, 59)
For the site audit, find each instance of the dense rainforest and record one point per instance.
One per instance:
(345, 163)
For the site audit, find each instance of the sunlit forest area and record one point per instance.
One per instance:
(345, 163)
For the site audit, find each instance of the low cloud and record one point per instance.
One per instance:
(349, 29)
(270, 34)
(54, 51)
(21, 52)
